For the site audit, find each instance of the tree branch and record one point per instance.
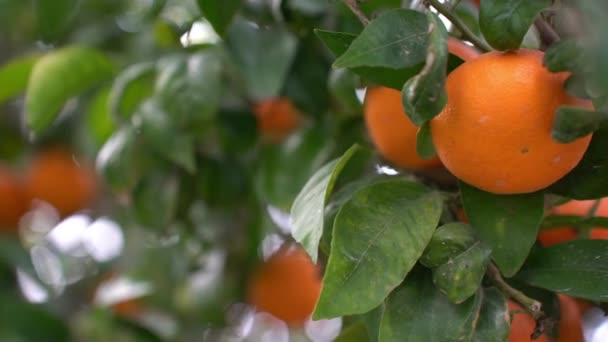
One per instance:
(531, 305)
(460, 25)
(546, 31)
(354, 7)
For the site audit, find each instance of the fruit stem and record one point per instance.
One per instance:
(354, 7)
(547, 33)
(531, 305)
(460, 25)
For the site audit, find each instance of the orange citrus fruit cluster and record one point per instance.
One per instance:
(388, 126)
(287, 286)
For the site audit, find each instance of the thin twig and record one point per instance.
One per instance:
(546, 31)
(531, 305)
(354, 7)
(460, 25)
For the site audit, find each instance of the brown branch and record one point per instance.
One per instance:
(354, 7)
(531, 305)
(460, 25)
(547, 34)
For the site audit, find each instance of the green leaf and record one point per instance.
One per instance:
(424, 142)
(372, 320)
(508, 223)
(189, 89)
(576, 268)
(396, 39)
(262, 55)
(447, 242)
(493, 324)
(99, 122)
(14, 76)
(589, 179)
(58, 76)
(460, 277)
(155, 199)
(284, 169)
(424, 95)
(504, 23)
(18, 317)
(130, 88)
(572, 123)
(336, 42)
(53, 17)
(119, 160)
(219, 13)
(378, 236)
(160, 132)
(308, 207)
(565, 55)
(354, 333)
(342, 84)
(417, 311)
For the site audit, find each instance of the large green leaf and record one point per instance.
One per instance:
(219, 13)
(378, 236)
(424, 95)
(396, 39)
(565, 55)
(338, 43)
(284, 169)
(576, 268)
(417, 311)
(309, 206)
(14, 76)
(504, 23)
(130, 87)
(262, 55)
(354, 333)
(508, 223)
(58, 76)
(493, 324)
(589, 179)
(460, 277)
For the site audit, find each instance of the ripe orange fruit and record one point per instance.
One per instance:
(522, 325)
(54, 176)
(13, 200)
(582, 208)
(554, 236)
(277, 118)
(462, 50)
(570, 323)
(495, 131)
(391, 131)
(287, 286)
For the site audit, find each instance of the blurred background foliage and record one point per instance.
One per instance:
(174, 104)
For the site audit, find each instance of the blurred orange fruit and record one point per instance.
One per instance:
(522, 325)
(13, 200)
(57, 178)
(287, 286)
(276, 118)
